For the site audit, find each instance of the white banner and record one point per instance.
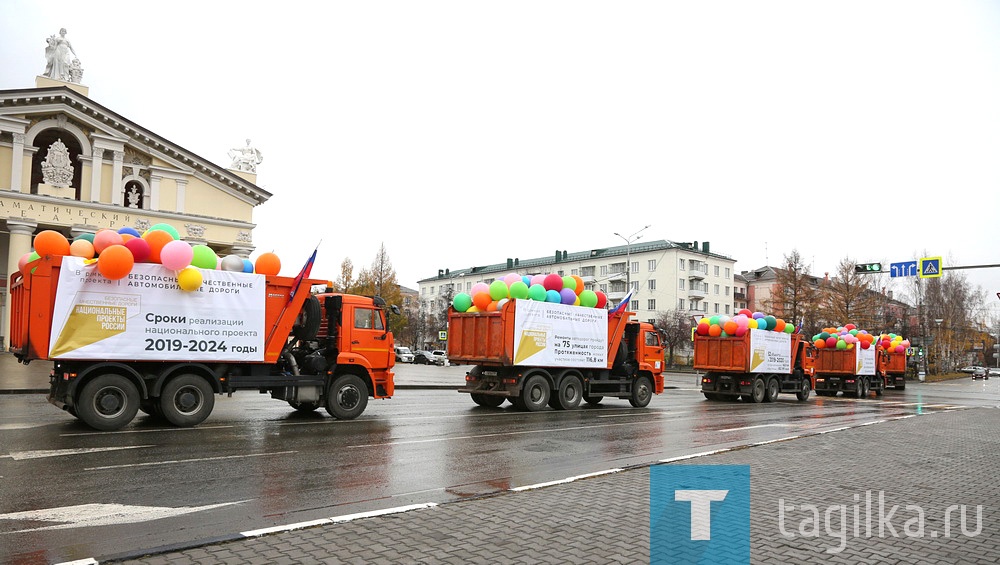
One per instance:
(547, 334)
(770, 352)
(864, 360)
(146, 315)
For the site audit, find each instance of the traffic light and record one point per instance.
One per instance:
(868, 268)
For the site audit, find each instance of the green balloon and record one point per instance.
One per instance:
(569, 282)
(518, 289)
(167, 228)
(588, 298)
(536, 292)
(204, 257)
(461, 302)
(499, 290)
(88, 236)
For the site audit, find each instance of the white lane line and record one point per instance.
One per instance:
(22, 455)
(566, 480)
(87, 561)
(90, 515)
(760, 426)
(175, 461)
(195, 429)
(338, 519)
(695, 455)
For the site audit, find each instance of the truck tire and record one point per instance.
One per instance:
(108, 402)
(308, 321)
(803, 393)
(535, 393)
(347, 397)
(186, 400)
(569, 395)
(773, 389)
(859, 388)
(592, 400)
(759, 391)
(868, 388)
(642, 392)
(487, 400)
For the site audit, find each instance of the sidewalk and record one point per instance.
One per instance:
(931, 461)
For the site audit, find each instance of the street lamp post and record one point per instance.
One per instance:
(628, 255)
(937, 343)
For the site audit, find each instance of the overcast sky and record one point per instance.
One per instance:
(463, 133)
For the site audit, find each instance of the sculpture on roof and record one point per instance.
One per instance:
(245, 158)
(58, 63)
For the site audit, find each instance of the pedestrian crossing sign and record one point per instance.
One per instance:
(930, 268)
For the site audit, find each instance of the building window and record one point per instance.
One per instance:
(680, 264)
(680, 303)
(716, 289)
(635, 286)
(727, 272)
(633, 305)
(680, 284)
(727, 308)
(652, 284)
(716, 270)
(716, 308)
(651, 265)
(727, 291)
(573, 272)
(604, 270)
(651, 304)
(635, 266)
(587, 271)
(604, 288)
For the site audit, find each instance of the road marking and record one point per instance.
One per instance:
(175, 461)
(22, 455)
(87, 561)
(90, 515)
(493, 435)
(337, 519)
(196, 429)
(566, 480)
(760, 426)
(5, 427)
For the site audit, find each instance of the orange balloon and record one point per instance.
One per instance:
(579, 284)
(51, 242)
(482, 301)
(126, 237)
(267, 264)
(492, 306)
(156, 240)
(82, 248)
(115, 262)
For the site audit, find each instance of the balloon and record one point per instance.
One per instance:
(526, 280)
(553, 296)
(518, 289)
(481, 300)
(756, 315)
(714, 330)
(232, 263)
(865, 344)
(247, 266)
(156, 240)
(498, 290)
(24, 260)
(579, 288)
(167, 228)
(81, 248)
(139, 248)
(570, 283)
(176, 255)
(789, 329)
(753, 324)
(746, 312)
(702, 329)
(819, 343)
(461, 302)
(492, 307)
(106, 238)
(771, 321)
(831, 341)
(88, 236)
(567, 296)
(588, 298)
(189, 279)
(115, 262)
(779, 325)
(762, 324)
(511, 279)
(714, 321)
(479, 287)
(730, 327)
(741, 331)
(553, 282)
(536, 292)
(841, 344)
(267, 264)
(602, 299)
(538, 279)
(502, 302)
(51, 242)
(203, 257)
(129, 231)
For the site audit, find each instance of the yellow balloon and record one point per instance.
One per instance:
(189, 279)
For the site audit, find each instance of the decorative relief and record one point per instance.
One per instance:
(141, 225)
(244, 236)
(56, 168)
(135, 163)
(195, 231)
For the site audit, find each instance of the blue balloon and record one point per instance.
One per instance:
(130, 231)
(526, 279)
(553, 296)
(247, 266)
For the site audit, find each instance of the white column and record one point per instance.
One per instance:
(154, 191)
(181, 187)
(21, 231)
(96, 168)
(17, 163)
(116, 178)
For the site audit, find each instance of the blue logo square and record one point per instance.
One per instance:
(699, 514)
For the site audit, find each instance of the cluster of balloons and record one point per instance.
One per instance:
(843, 337)
(893, 343)
(741, 323)
(484, 297)
(117, 251)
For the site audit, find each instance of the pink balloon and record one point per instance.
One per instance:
(831, 341)
(479, 287)
(23, 261)
(538, 279)
(511, 279)
(176, 254)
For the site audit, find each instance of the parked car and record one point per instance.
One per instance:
(968, 369)
(421, 357)
(403, 354)
(981, 372)
(995, 371)
(441, 357)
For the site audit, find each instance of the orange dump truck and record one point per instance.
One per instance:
(755, 367)
(892, 368)
(537, 353)
(141, 343)
(851, 371)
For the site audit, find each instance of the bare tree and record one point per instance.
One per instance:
(849, 299)
(796, 299)
(675, 327)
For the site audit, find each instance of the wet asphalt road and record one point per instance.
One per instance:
(71, 493)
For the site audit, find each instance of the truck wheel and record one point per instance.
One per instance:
(859, 389)
(347, 398)
(759, 391)
(773, 388)
(487, 400)
(592, 400)
(569, 395)
(535, 393)
(867, 389)
(308, 321)
(186, 400)
(803, 393)
(108, 402)
(642, 392)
